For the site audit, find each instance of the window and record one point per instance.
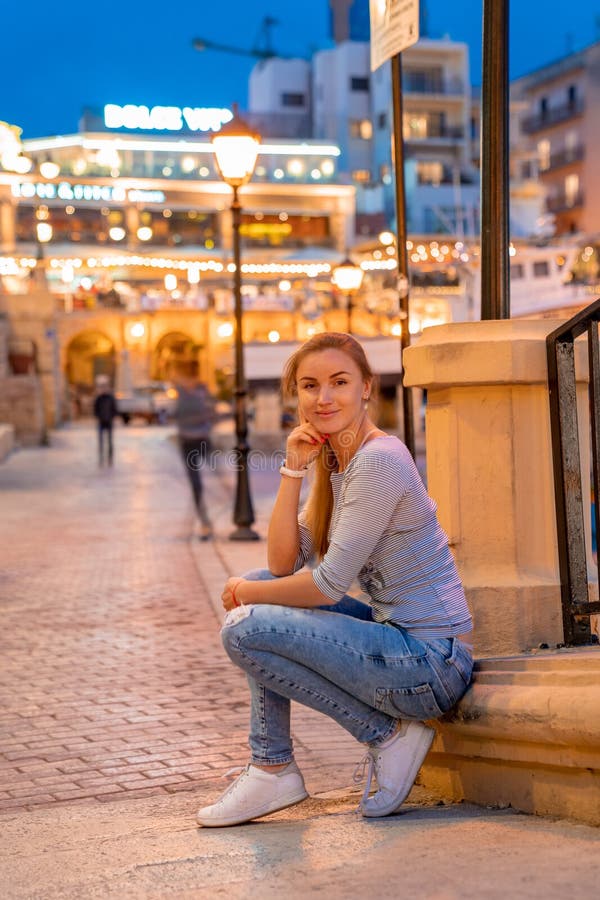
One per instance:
(517, 270)
(541, 269)
(430, 172)
(359, 83)
(381, 121)
(571, 189)
(544, 150)
(572, 95)
(290, 99)
(361, 129)
(415, 126)
(543, 108)
(361, 175)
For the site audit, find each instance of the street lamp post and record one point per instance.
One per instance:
(236, 148)
(348, 278)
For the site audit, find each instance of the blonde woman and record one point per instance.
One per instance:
(380, 669)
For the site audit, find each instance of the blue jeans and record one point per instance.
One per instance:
(335, 659)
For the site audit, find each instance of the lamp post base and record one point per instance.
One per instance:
(244, 533)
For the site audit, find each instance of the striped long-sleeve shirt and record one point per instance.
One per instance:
(384, 531)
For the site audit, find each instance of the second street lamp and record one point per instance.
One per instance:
(348, 278)
(236, 148)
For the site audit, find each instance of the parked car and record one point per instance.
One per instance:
(154, 402)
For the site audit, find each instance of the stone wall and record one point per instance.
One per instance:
(21, 405)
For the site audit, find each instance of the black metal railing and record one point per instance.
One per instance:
(562, 202)
(553, 115)
(570, 505)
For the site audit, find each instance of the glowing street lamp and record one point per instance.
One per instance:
(236, 148)
(348, 277)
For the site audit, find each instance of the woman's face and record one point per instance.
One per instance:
(331, 391)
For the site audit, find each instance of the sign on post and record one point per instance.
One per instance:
(394, 27)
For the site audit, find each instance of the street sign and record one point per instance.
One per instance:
(394, 27)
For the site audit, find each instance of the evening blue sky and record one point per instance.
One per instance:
(56, 60)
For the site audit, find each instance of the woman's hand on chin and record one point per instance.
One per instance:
(303, 446)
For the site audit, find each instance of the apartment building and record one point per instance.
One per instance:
(560, 133)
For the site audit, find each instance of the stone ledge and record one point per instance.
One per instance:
(526, 735)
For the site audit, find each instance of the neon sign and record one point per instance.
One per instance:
(99, 192)
(165, 118)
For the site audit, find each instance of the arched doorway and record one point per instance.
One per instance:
(175, 352)
(88, 355)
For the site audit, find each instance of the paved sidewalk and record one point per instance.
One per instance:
(114, 680)
(119, 712)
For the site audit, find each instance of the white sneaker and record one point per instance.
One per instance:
(253, 794)
(396, 766)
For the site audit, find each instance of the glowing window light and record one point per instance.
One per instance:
(193, 274)
(171, 282)
(116, 233)
(274, 336)
(144, 233)
(396, 329)
(225, 330)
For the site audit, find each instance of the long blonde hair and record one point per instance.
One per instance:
(319, 504)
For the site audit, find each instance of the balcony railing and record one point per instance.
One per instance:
(565, 157)
(432, 84)
(568, 483)
(563, 202)
(445, 132)
(552, 116)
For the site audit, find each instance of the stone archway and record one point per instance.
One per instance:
(175, 352)
(88, 354)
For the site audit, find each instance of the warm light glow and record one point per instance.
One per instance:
(49, 169)
(22, 165)
(347, 277)
(144, 233)
(327, 167)
(188, 164)
(316, 174)
(171, 282)
(278, 173)
(193, 274)
(285, 285)
(44, 232)
(386, 238)
(295, 167)
(274, 336)
(136, 330)
(512, 250)
(86, 283)
(225, 330)
(396, 329)
(67, 274)
(116, 233)
(235, 156)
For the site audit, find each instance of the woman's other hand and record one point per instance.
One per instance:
(228, 597)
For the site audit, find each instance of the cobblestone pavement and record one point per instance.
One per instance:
(114, 682)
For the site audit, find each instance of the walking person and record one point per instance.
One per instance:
(378, 669)
(105, 410)
(195, 415)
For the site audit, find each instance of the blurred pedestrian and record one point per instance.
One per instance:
(195, 415)
(378, 669)
(105, 410)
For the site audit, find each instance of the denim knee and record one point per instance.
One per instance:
(259, 575)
